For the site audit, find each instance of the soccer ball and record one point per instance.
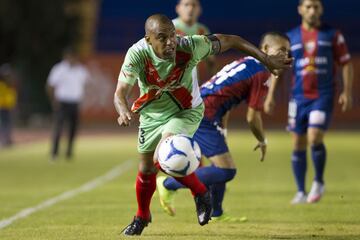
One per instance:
(179, 155)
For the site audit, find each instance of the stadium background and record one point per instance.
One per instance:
(33, 35)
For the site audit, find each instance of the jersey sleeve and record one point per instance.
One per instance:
(131, 67)
(341, 53)
(258, 91)
(201, 47)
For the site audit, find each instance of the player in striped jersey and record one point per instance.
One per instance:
(247, 80)
(319, 51)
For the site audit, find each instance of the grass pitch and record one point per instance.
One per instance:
(260, 191)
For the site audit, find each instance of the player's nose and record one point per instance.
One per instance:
(170, 42)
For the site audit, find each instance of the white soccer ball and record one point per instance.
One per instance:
(179, 155)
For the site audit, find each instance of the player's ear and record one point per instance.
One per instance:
(265, 48)
(299, 10)
(177, 9)
(147, 39)
(321, 9)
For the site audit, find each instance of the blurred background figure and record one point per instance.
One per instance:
(319, 50)
(186, 24)
(65, 87)
(8, 96)
(33, 39)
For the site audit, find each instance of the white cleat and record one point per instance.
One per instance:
(316, 192)
(299, 198)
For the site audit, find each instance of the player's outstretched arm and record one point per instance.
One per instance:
(121, 105)
(274, 63)
(254, 120)
(211, 65)
(225, 121)
(345, 98)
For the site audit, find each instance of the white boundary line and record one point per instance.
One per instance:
(112, 174)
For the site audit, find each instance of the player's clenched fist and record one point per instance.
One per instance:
(125, 118)
(276, 63)
(346, 101)
(262, 146)
(121, 105)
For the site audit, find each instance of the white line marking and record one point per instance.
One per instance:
(112, 174)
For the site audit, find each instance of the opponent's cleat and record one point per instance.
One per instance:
(136, 226)
(228, 219)
(299, 198)
(203, 207)
(316, 192)
(166, 196)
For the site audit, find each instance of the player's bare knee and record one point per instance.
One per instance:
(147, 169)
(315, 136)
(315, 140)
(300, 142)
(223, 161)
(146, 165)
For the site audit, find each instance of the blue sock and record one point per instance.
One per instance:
(318, 153)
(211, 174)
(299, 166)
(207, 175)
(217, 196)
(215, 178)
(170, 183)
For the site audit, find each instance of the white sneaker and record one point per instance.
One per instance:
(316, 192)
(299, 198)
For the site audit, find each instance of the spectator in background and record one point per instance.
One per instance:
(65, 87)
(8, 98)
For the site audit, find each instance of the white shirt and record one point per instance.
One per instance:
(68, 81)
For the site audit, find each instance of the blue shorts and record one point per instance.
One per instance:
(307, 113)
(211, 139)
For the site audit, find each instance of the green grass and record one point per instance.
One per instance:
(260, 191)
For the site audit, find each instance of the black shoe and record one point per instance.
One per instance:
(53, 157)
(136, 226)
(69, 157)
(69, 154)
(203, 208)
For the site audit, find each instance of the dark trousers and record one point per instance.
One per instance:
(5, 127)
(66, 113)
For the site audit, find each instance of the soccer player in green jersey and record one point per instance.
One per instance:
(186, 24)
(170, 102)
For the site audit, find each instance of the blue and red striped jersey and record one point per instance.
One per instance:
(317, 55)
(243, 79)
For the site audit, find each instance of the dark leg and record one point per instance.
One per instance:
(58, 126)
(73, 126)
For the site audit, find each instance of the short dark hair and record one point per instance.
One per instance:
(179, 1)
(69, 50)
(302, 1)
(273, 34)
